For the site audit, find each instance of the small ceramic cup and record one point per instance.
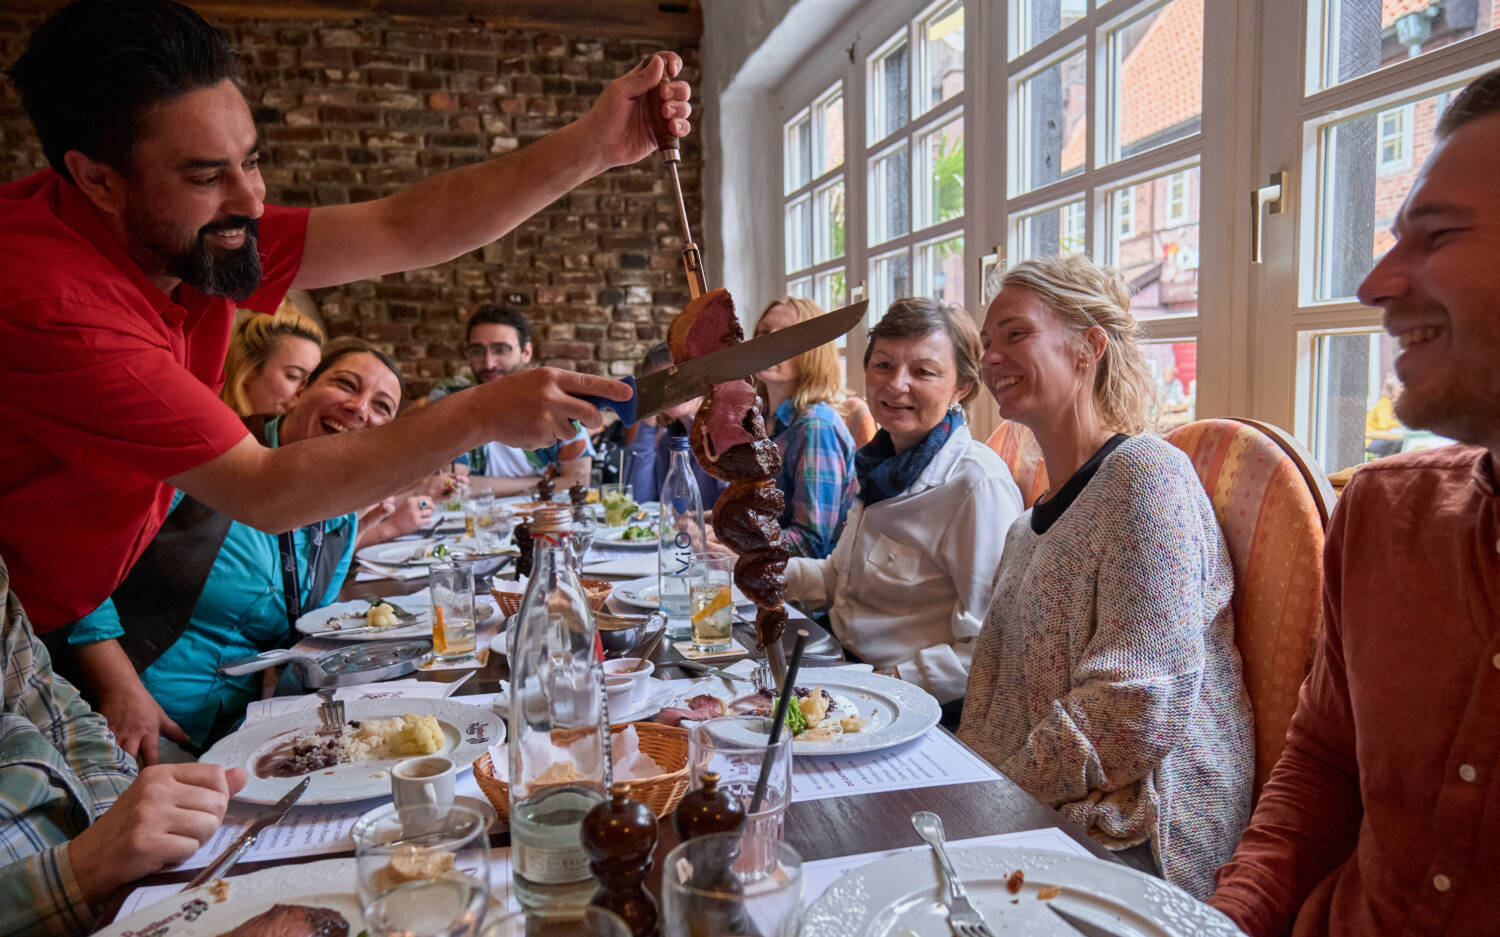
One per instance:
(426, 780)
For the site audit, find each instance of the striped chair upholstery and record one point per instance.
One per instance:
(1275, 536)
(1017, 448)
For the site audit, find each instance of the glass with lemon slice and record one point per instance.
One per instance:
(710, 597)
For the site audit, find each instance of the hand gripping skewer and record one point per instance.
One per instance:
(671, 154)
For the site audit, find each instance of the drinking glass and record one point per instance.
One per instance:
(711, 601)
(592, 922)
(502, 524)
(585, 528)
(735, 747)
(619, 503)
(423, 871)
(452, 588)
(477, 509)
(725, 884)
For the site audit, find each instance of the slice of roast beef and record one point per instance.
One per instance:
(293, 920)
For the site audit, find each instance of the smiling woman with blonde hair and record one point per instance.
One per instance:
(1105, 680)
(269, 360)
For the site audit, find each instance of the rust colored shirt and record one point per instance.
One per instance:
(1383, 814)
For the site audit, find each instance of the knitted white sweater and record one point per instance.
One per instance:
(1106, 680)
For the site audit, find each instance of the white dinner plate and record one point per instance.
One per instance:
(611, 536)
(894, 711)
(643, 592)
(321, 619)
(904, 895)
(468, 732)
(198, 912)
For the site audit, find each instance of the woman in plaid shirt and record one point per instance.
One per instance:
(817, 452)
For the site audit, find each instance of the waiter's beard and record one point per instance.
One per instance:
(234, 274)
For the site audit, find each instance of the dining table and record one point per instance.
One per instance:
(830, 827)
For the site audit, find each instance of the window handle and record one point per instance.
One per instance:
(1271, 197)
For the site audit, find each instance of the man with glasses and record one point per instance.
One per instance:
(497, 343)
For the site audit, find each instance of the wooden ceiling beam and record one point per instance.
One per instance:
(608, 18)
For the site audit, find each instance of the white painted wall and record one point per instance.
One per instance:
(748, 45)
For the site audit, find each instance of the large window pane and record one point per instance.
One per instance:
(890, 84)
(831, 292)
(942, 174)
(1035, 20)
(1156, 62)
(1355, 392)
(1363, 35)
(797, 156)
(830, 135)
(942, 56)
(829, 222)
(799, 234)
(1369, 163)
(1051, 232)
(941, 270)
(1175, 367)
(890, 279)
(890, 194)
(802, 287)
(1051, 105)
(1153, 229)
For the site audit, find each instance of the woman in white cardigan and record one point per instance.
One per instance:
(909, 579)
(1106, 680)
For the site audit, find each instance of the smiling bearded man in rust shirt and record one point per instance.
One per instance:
(1382, 816)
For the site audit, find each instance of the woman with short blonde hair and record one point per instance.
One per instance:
(817, 450)
(1105, 680)
(269, 360)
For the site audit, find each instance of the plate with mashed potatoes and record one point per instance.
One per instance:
(354, 762)
(371, 619)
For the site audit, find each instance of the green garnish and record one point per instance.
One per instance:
(440, 550)
(638, 532)
(794, 718)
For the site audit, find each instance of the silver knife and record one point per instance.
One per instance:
(226, 860)
(693, 377)
(1083, 927)
(705, 669)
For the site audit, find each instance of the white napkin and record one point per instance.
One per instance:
(629, 763)
(368, 571)
(641, 563)
(261, 710)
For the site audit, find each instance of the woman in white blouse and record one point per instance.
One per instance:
(908, 582)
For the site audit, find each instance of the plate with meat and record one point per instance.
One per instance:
(839, 712)
(315, 899)
(354, 762)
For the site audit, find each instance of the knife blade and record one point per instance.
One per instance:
(705, 669)
(692, 378)
(1083, 927)
(226, 860)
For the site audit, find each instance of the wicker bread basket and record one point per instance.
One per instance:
(597, 590)
(667, 746)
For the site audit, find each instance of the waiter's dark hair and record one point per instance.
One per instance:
(343, 347)
(490, 314)
(1480, 99)
(92, 72)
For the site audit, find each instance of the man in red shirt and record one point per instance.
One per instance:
(118, 277)
(1383, 814)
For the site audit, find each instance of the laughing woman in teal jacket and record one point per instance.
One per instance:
(209, 590)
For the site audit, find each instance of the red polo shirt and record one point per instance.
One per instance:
(107, 387)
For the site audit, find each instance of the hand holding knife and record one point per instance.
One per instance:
(226, 860)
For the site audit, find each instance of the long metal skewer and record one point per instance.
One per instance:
(692, 258)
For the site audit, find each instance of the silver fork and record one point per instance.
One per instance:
(963, 917)
(330, 711)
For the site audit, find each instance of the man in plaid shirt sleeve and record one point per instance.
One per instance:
(76, 821)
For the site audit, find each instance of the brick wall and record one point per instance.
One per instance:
(352, 110)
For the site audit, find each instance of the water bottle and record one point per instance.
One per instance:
(559, 728)
(680, 535)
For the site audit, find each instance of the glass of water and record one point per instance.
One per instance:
(452, 588)
(731, 883)
(423, 871)
(711, 601)
(735, 747)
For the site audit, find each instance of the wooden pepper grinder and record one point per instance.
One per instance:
(544, 488)
(708, 810)
(525, 548)
(619, 836)
(578, 494)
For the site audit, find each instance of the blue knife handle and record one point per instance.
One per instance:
(624, 409)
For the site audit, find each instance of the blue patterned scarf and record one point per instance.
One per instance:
(884, 473)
